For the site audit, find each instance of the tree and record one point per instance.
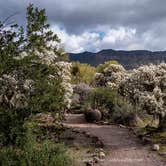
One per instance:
(29, 78)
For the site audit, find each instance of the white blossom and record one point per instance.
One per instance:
(64, 72)
(111, 76)
(145, 87)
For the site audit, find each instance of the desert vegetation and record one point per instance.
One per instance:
(38, 86)
(33, 79)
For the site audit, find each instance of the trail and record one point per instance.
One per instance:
(123, 147)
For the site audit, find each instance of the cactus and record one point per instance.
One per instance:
(93, 115)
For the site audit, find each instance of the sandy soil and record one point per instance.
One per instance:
(123, 148)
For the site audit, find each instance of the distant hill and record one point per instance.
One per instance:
(129, 59)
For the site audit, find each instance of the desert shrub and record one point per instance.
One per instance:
(103, 99)
(80, 92)
(112, 106)
(145, 89)
(126, 114)
(111, 76)
(100, 68)
(11, 126)
(34, 154)
(82, 72)
(31, 78)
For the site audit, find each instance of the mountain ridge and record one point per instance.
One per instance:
(128, 58)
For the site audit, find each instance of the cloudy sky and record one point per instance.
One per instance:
(92, 25)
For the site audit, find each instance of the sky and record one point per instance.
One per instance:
(93, 25)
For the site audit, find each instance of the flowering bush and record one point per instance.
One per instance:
(13, 92)
(145, 88)
(30, 79)
(64, 73)
(111, 76)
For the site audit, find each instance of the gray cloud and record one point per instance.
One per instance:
(147, 17)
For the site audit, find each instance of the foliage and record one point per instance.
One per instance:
(125, 114)
(38, 33)
(111, 76)
(104, 99)
(80, 93)
(11, 126)
(64, 72)
(145, 89)
(82, 72)
(30, 80)
(111, 104)
(100, 68)
(34, 154)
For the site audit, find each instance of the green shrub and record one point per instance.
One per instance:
(124, 114)
(100, 68)
(35, 154)
(111, 105)
(45, 94)
(103, 97)
(11, 126)
(82, 72)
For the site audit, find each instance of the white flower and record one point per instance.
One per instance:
(111, 76)
(64, 72)
(146, 87)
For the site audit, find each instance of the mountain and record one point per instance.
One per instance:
(129, 59)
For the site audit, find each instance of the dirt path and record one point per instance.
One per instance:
(123, 147)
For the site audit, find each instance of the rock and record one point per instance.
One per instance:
(96, 159)
(93, 115)
(101, 150)
(146, 140)
(156, 147)
(83, 132)
(122, 126)
(101, 155)
(88, 151)
(106, 123)
(99, 143)
(76, 130)
(88, 134)
(163, 153)
(89, 163)
(97, 151)
(94, 154)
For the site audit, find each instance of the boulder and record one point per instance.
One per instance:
(102, 155)
(93, 115)
(156, 147)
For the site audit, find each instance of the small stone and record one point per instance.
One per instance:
(94, 155)
(89, 163)
(156, 147)
(76, 130)
(146, 140)
(96, 160)
(122, 126)
(96, 150)
(101, 150)
(163, 153)
(88, 151)
(101, 155)
(106, 123)
(83, 132)
(88, 134)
